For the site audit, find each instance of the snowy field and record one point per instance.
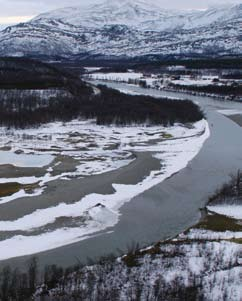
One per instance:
(114, 76)
(124, 77)
(153, 80)
(95, 150)
(187, 81)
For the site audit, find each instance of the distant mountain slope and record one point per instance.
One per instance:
(127, 29)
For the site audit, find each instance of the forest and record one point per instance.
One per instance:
(193, 63)
(21, 108)
(150, 63)
(98, 281)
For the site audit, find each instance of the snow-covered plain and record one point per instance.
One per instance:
(84, 141)
(76, 139)
(124, 77)
(186, 81)
(152, 80)
(116, 76)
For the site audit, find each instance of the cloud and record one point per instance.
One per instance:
(14, 19)
(33, 7)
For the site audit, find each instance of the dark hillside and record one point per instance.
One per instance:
(20, 107)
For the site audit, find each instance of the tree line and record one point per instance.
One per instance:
(109, 107)
(23, 109)
(233, 89)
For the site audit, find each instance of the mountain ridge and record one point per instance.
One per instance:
(127, 29)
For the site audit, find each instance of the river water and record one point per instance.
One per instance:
(174, 205)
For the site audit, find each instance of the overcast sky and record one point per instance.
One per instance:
(15, 11)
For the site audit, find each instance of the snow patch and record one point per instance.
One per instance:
(234, 211)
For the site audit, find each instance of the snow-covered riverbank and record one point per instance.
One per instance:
(197, 264)
(174, 147)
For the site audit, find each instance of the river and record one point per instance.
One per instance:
(172, 206)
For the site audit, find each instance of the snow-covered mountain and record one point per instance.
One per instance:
(127, 28)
